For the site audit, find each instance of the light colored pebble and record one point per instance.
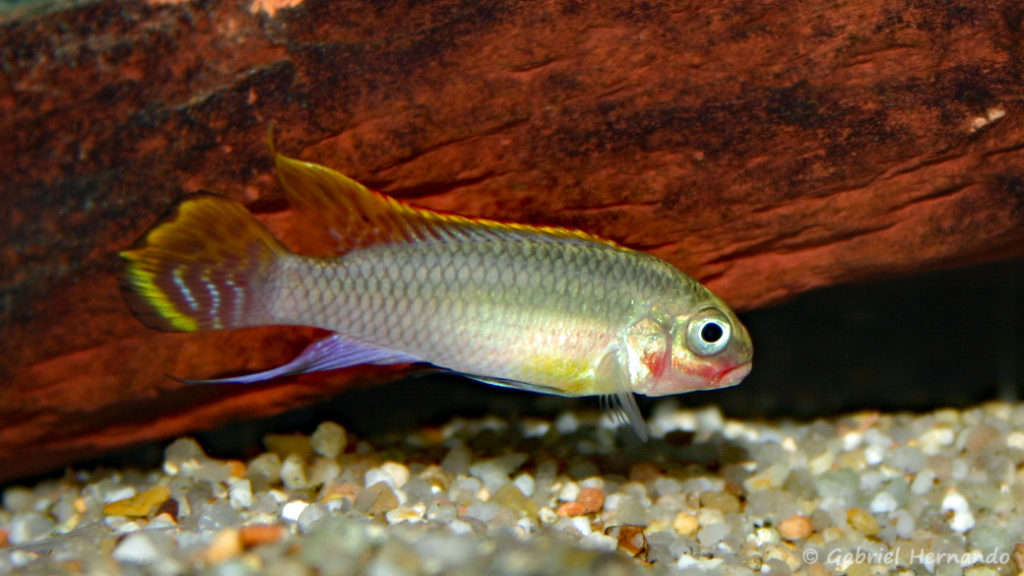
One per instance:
(1015, 439)
(862, 521)
(292, 510)
(526, 484)
(405, 514)
(399, 472)
(329, 440)
(293, 472)
(778, 489)
(548, 516)
(285, 445)
(566, 423)
(310, 516)
(29, 526)
(138, 548)
(724, 502)
(240, 493)
(226, 544)
(600, 542)
(935, 439)
(883, 503)
(961, 519)
(376, 499)
(685, 524)
(569, 492)
(796, 527)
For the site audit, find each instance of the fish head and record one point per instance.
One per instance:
(704, 350)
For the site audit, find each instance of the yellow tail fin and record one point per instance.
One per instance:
(203, 268)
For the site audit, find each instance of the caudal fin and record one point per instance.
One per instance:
(203, 268)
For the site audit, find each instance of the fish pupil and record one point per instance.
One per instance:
(711, 332)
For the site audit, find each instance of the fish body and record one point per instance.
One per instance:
(539, 308)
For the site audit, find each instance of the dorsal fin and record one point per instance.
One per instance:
(355, 216)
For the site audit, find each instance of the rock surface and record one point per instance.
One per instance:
(766, 148)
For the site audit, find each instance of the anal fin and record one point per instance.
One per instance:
(514, 384)
(331, 353)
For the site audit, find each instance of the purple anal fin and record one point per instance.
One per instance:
(330, 353)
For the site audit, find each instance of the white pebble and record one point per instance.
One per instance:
(240, 493)
(852, 440)
(1015, 439)
(399, 472)
(962, 519)
(936, 438)
(883, 502)
(547, 515)
(293, 472)
(459, 527)
(21, 558)
(582, 525)
(874, 454)
(406, 514)
(600, 542)
(535, 428)
(663, 423)
(526, 526)
(821, 463)
(762, 536)
(923, 482)
(28, 527)
(292, 510)
(329, 439)
(960, 469)
(569, 492)
(905, 524)
(119, 493)
(137, 548)
(703, 564)
(310, 516)
(393, 474)
(526, 484)
(566, 423)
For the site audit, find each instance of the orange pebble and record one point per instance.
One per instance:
(795, 527)
(338, 491)
(260, 534)
(3, 537)
(591, 499)
(570, 509)
(237, 468)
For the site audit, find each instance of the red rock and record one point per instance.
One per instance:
(767, 150)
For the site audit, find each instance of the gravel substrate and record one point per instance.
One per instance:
(869, 493)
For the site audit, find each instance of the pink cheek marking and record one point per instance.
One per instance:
(656, 363)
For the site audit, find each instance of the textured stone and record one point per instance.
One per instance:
(768, 151)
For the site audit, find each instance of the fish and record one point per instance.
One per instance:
(541, 308)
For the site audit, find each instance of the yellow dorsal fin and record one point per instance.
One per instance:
(355, 217)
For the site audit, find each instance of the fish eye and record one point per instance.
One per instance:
(708, 332)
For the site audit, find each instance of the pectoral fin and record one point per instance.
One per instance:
(622, 402)
(331, 353)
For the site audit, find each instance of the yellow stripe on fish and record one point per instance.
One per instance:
(539, 308)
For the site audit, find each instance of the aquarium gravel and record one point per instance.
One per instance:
(867, 493)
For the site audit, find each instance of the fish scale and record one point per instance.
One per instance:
(505, 306)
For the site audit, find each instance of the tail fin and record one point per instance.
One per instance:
(203, 268)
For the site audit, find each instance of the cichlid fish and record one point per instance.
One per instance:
(545, 309)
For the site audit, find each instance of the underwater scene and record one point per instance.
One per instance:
(312, 287)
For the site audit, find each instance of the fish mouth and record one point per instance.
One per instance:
(732, 376)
